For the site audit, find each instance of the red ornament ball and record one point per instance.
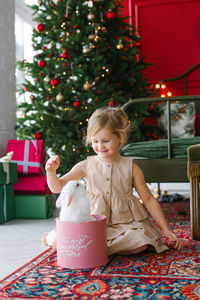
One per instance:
(41, 63)
(54, 81)
(43, 48)
(76, 103)
(110, 15)
(138, 44)
(111, 103)
(64, 55)
(37, 136)
(39, 27)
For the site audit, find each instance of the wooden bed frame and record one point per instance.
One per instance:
(170, 169)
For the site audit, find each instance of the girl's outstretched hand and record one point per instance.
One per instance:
(52, 163)
(173, 237)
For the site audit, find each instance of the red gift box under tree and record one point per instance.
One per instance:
(29, 156)
(31, 185)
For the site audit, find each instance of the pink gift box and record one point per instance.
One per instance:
(32, 185)
(82, 245)
(29, 156)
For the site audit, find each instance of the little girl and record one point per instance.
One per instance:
(109, 180)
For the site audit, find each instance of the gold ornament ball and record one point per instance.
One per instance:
(91, 17)
(59, 97)
(87, 86)
(86, 50)
(91, 37)
(39, 2)
(47, 79)
(51, 45)
(32, 97)
(120, 46)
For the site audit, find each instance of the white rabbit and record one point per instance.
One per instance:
(74, 203)
(75, 207)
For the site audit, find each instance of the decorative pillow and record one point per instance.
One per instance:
(182, 119)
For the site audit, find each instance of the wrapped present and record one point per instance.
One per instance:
(32, 185)
(29, 156)
(8, 176)
(8, 172)
(33, 206)
(7, 203)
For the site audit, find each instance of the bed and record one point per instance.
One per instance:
(170, 164)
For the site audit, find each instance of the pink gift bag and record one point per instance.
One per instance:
(82, 245)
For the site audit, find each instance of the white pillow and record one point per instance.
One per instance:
(182, 119)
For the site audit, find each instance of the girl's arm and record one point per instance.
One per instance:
(54, 182)
(152, 205)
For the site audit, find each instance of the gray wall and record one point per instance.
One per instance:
(7, 73)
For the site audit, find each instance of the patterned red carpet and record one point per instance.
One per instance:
(170, 275)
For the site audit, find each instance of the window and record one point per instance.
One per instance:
(23, 36)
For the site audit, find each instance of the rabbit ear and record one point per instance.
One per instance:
(70, 200)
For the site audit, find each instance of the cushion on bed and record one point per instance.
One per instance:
(159, 148)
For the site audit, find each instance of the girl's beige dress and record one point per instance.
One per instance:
(109, 186)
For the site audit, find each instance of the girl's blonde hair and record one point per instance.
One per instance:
(115, 118)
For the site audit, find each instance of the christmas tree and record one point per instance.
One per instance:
(86, 57)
